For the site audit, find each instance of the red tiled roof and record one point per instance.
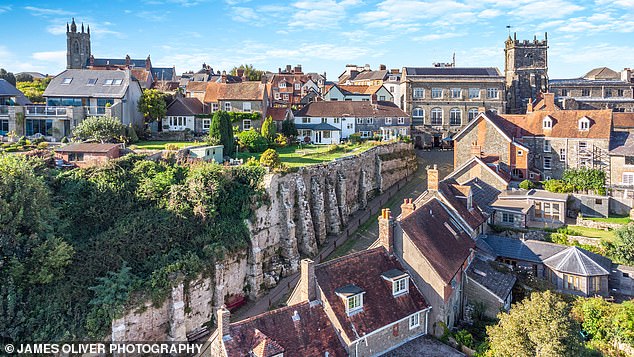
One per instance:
(265, 346)
(234, 91)
(565, 123)
(623, 120)
(87, 147)
(140, 73)
(193, 86)
(311, 335)
(445, 251)
(278, 114)
(350, 109)
(380, 307)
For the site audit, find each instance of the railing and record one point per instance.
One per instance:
(95, 110)
(46, 111)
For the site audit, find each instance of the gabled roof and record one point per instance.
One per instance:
(623, 120)
(622, 143)
(371, 75)
(356, 89)
(529, 250)
(102, 62)
(578, 261)
(350, 109)
(363, 270)
(184, 106)
(8, 90)
(504, 179)
(277, 114)
(565, 123)
(496, 282)
(456, 195)
(483, 193)
(265, 346)
(247, 91)
(195, 86)
(445, 251)
(311, 335)
(80, 87)
(602, 73)
(453, 71)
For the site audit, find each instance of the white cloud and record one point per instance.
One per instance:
(545, 9)
(489, 13)
(49, 56)
(5, 8)
(436, 36)
(319, 15)
(244, 14)
(154, 16)
(42, 11)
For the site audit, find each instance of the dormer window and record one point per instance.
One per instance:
(547, 123)
(399, 280)
(353, 298)
(584, 124)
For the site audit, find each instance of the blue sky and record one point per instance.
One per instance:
(320, 35)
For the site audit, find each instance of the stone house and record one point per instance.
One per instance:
(622, 164)
(358, 93)
(572, 270)
(87, 154)
(242, 97)
(529, 208)
(601, 88)
(290, 87)
(10, 99)
(181, 114)
(442, 100)
(488, 286)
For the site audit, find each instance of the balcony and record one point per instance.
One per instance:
(93, 111)
(46, 111)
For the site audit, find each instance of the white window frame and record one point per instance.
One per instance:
(493, 93)
(455, 117)
(214, 107)
(436, 93)
(414, 320)
(472, 114)
(549, 160)
(401, 120)
(227, 107)
(357, 303)
(547, 123)
(432, 117)
(298, 86)
(418, 93)
(586, 92)
(562, 155)
(628, 178)
(456, 93)
(474, 93)
(388, 121)
(306, 120)
(417, 111)
(336, 120)
(508, 217)
(369, 120)
(520, 152)
(66, 81)
(547, 147)
(584, 124)
(359, 121)
(246, 124)
(400, 286)
(281, 84)
(246, 107)
(206, 123)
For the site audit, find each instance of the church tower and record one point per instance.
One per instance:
(77, 46)
(526, 71)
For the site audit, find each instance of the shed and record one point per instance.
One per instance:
(207, 153)
(86, 154)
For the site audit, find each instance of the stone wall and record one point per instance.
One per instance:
(304, 208)
(597, 225)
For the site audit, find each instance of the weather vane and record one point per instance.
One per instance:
(509, 27)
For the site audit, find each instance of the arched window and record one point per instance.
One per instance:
(418, 115)
(76, 47)
(473, 113)
(455, 117)
(436, 116)
(529, 59)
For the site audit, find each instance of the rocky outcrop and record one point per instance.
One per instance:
(304, 208)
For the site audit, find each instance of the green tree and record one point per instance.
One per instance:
(527, 185)
(34, 90)
(624, 244)
(8, 76)
(23, 77)
(250, 72)
(152, 105)
(288, 128)
(103, 129)
(252, 140)
(270, 158)
(214, 128)
(226, 134)
(268, 129)
(540, 325)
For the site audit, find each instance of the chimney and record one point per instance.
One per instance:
(308, 289)
(407, 207)
(92, 60)
(432, 178)
(223, 320)
(298, 69)
(394, 71)
(288, 68)
(382, 67)
(223, 78)
(127, 60)
(529, 106)
(549, 101)
(476, 150)
(386, 230)
(240, 72)
(481, 110)
(279, 69)
(148, 63)
(626, 75)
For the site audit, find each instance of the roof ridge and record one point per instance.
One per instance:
(576, 252)
(348, 256)
(272, 312)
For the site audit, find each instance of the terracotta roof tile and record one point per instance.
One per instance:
(565, 123)
(623, 120)
(194, 86)
(380, 307)
(278, 114)
(234, 91)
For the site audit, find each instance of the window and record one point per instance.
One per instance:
(206, 124)
(414, 320)
(391, 89)
(418, 113)
(400, 286)
(584, 123)
(297, 86)
(354, 303)
(67, 80)
(34, 126)
(388, 121)
(436, 92)
(91, 81)
(325, 134)
(246, 124)
(564, 92)
(369, 120)
(562, 155)
(336, 120)
(472, 113)
(282, 85)
(419, 92)
(365, 134)
(546, 145)
(117, 82)
(305, 120)
(436, 116)
(363, 99)
(608, 92)
(324, 120)
(359, 120)
(214, 107)
(620, 93)
(401, 120)
(392, 78)
(583, 145)
(629, 160)
(382, 98)
(4, 126)
(508, 217)
(628, 178)
(595, 284)
(520, 153)
(585, 92)
(474, 93)
(246, 106)
(547, 162)
(456, 93)
(76, 156)
(227, 107)
(455, 117)
(547, 123)
(107, 82)
(492, 93)
(571, 282)
(349, 126)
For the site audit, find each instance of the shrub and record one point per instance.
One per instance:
(268, 129)
(270, 158)
(42, 145)
(558, 186)
(527, 185)
(464, 338)
(281, 141)
(171, 147)
(355, 138)
(288, 128)
(252, 162)
(22, 140)
(253, 141)
(64, 140)
(100, 128)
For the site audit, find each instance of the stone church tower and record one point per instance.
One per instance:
(77, 46)
(526, 71)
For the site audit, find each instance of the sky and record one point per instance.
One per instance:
(322, 36)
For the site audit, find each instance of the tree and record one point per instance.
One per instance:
(214, 129)
(8, 76)
(34, 90)
(250, 72)
(226, 133)
(103, 129)
(288, 128)
(540, 325)
(527, 185)
(268, 129)
(252, 140)
(624, 245)
(270, 158)
(23, 77)
(152, 105)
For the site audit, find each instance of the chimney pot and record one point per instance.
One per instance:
(407, 207)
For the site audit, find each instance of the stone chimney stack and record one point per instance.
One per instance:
(382, 67)
(223, 318)
(386, 230)
(432, 178)
(148, 63)
(223, 78)
(549, 101)
(481, 110)
(626, 75)
(407, 207)
(529, 106)
(308, 288)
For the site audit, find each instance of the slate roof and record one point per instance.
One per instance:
(445, 251)
(456, 195)
(247, 91)
(498, 283)
(483, 193)
(350, 109)
(622, 143)
(163, 73)
(8, 90)
(185, 107)
(79, 87)
(529, 250)
(453, 71)
(102, 62)
(578, 261)
(318, 126)
(371, 75)
(518, 206)
(311, 335)
(87, 147)
(363, 270)
(602, 73)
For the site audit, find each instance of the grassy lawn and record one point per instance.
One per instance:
(613, 219)
(160, 145)
(293, 156)
(593, 233)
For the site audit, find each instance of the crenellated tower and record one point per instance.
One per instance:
(526, 71)
(77, 46)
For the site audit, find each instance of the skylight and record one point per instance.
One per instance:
(67, 80)
(107, 82)
(92, 81)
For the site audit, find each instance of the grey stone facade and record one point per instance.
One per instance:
(526, 71)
